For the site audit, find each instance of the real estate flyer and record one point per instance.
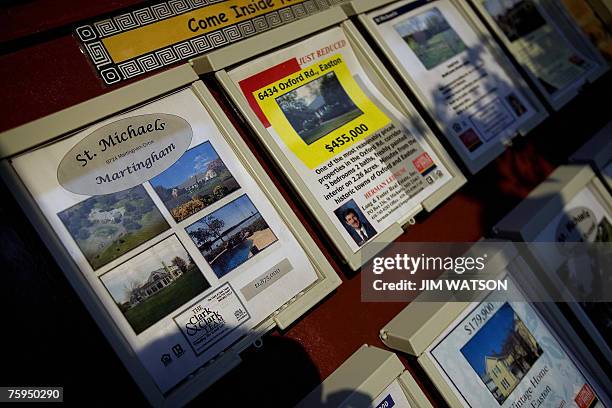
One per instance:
(583, 219)
(460, 79)
(364, 161)
(171, 232)
(537, 42)
(502, 354)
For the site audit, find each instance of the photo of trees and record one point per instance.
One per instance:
(107, 226)
(154, 283)
(198, 179)
(231, 235)
(317, 108)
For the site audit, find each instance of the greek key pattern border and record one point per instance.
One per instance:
(91, 35)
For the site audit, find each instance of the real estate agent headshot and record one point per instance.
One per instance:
(355, 223)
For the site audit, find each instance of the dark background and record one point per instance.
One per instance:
(48, 338)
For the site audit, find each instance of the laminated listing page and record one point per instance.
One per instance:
(536, 42)
(365, 163)
(173, 235)
(462, 82)
(583, 219)
(502, 354)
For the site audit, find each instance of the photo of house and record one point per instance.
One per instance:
(589, 278)
(317, 108)
(157, 280)
(502, 352)
(516, 18)
(198, 179)
(231, 235)
(154, 283)
(430, 37)
(107, 226)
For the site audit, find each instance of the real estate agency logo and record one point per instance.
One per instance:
(204, 322)
(211, 319)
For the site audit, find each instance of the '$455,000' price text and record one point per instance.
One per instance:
(344, 138)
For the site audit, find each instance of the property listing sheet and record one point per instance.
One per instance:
(392, 396)
(461, 80)
(170, 231)
(538, 43)
(364, 161)
(503, 354)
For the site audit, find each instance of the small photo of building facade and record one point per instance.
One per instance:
(502, 352)
(154, 283)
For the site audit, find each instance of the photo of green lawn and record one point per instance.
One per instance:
(107, 226)
(318, 108)
(154, 283)
(604, 231)
(431, 38)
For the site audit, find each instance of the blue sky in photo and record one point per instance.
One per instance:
(194, 161)
(489, 339)
(232, 213)
(497, 7)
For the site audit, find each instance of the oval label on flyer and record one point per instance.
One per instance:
(124, 154)
(577, 225)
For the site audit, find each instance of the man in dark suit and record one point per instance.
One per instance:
(360, 231)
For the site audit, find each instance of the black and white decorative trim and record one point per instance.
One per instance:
(91, 35)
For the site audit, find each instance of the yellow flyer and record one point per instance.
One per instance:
(320, 111)
(366, 163)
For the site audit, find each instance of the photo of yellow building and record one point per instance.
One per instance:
(502, 352)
